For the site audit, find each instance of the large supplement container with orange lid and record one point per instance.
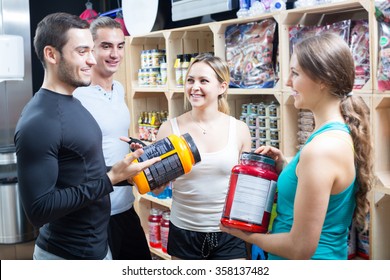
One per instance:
(178, 155)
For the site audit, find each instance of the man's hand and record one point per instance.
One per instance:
(126, 168)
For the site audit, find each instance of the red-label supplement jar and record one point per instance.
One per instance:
(154, 221)
(251, 193)
(165, 230)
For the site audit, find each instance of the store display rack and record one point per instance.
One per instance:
(210, 37)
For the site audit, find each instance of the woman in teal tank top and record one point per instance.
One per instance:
(324, 187)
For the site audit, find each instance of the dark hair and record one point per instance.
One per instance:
(328, 59)
(103, 22)
(53, 31)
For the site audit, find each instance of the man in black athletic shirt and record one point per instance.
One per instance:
(63, 181)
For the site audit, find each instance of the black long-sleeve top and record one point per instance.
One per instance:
(62, 176)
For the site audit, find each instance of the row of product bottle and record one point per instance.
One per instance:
(153, 77)
(261, 109)
(158, 223)
(263, 121)
(149, 123)
(152, 58)
(153, 71)
(250, 8)
(181, 65)
(154, 118)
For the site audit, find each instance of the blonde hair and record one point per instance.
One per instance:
(328, 59)
(221, 70)
(103, 22)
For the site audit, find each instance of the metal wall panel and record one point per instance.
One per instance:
(14, 20)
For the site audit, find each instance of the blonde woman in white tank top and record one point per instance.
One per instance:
(199, 196)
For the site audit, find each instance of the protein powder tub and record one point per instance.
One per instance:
(251, 193)
(178, 155)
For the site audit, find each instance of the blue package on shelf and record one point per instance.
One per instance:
(163, 195)
(167, 193)
(111, 13)
(152, 194)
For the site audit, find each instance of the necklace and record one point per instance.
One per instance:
(203, 130)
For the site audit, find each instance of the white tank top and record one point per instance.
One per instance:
(199, 196)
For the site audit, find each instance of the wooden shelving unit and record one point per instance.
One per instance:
(143, 204)
(211, 38)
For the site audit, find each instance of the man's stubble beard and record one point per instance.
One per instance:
(66, 75)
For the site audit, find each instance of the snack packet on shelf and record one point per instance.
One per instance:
(250, 54)
(360, 48)
(383, 72)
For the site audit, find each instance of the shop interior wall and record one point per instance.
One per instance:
(40, 8)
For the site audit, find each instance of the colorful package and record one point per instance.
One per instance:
(383, 72)
(360, 48)
(250, 52)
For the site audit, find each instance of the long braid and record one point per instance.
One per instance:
(356, 113)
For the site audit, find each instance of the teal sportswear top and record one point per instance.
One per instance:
(334, 235)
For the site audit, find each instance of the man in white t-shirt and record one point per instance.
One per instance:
(105, 100)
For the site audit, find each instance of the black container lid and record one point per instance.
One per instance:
(258, 158)
(193, 148)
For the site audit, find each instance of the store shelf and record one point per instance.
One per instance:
(252, 91)
(158, 251)
(380, 226)
(219, 29)
(289, 125)
(143, 204)
(210, 37)
(150, 89)
(166, 202)
(384, 181)
(321, 15)
(381, 131)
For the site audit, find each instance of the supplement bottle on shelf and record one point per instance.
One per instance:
(185, 65)
(163, 70)
(144, 59)
(251, 194)
(178, 70)
(165, 230)
(154, 221)
(244, 9)
(178, 155)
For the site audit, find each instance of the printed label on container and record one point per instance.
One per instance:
(164, 237)
(252, 197)
(168, 169)
(164, 171)
(154, 233)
